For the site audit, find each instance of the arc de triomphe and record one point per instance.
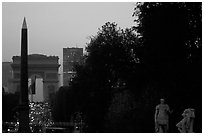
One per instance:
(45, 67)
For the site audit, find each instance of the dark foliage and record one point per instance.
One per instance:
(170, 37)
(109, 64)
(9, 105)
(63, 105)
(125, 74)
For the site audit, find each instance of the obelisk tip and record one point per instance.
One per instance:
(24, 24)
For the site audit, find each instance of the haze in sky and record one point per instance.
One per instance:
(53, 26)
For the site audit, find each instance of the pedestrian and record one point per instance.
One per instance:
(162, 117)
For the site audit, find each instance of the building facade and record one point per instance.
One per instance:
(71, 57)
(6, 75)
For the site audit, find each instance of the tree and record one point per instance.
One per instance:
(9, 103)
(63, 107)
(109, 65)
(170, 38)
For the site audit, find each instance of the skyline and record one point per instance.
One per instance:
(55, 26)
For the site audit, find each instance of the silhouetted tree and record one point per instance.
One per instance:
(109, 65)
(63, 105)
(170, 52)
(9, 103)
(128, 71)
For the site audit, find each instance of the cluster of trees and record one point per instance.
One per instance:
(126, 72)
(62, 105)
(171, 53)
(9, 105)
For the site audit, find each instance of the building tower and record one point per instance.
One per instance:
(71, 57)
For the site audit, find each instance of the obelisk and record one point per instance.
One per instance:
(24, 102)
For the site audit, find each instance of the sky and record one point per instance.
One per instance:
(53, 26)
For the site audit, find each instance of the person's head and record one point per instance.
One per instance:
(162, 101)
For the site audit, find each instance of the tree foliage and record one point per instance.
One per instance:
(63, 107)
(9, 104)
(170, 38)
(169, 31)
(109, 64)
(126, 72)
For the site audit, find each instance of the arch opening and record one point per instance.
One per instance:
(35, 92)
